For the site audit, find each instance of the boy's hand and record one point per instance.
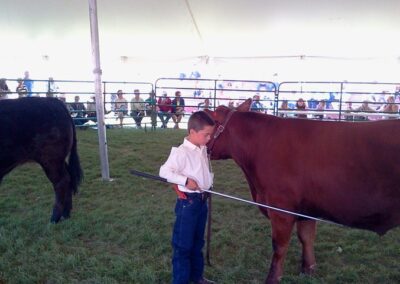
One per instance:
(191, 184)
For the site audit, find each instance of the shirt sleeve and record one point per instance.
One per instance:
(172, 168)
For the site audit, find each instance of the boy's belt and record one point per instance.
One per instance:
(195, 195)
(185, 195)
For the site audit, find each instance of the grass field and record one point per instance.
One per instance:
(120, 231)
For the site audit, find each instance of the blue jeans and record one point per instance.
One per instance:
(164, 117)
(188, 239)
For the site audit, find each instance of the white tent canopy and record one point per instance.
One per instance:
(250, 39)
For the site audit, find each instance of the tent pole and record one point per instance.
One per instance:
(101, 127)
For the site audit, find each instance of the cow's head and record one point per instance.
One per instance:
(218, 146)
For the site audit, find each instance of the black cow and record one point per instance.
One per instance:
(41, 130)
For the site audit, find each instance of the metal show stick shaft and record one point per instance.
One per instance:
(158, 178)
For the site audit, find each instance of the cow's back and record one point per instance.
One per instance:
(345, 172)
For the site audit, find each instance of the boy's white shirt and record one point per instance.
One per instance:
(188, 161)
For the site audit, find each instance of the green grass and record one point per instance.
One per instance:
(120, 231)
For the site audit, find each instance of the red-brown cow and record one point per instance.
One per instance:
(348, 173)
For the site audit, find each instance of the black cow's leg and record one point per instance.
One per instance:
(58, 175)
(68, 202)
(306, 232)
(282, 226)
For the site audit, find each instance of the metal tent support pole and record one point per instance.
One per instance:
(101, 127)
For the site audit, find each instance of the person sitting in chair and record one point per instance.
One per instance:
(164, 109)
(78, 112)
(178, 109)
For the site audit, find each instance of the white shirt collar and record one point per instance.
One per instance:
(191, 146)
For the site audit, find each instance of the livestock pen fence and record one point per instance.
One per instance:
(343, 99)
(67, 90)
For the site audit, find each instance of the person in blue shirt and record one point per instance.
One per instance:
(28, 84)
(256, 105)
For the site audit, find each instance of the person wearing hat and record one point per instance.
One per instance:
(164, 109)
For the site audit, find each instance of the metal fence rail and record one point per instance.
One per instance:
(339, 95)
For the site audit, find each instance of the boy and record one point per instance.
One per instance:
(187, 166)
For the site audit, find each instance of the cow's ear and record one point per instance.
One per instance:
(245, 106)
(210, 113)
(213, 114)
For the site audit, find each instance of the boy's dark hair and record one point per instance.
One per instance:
(198, 120)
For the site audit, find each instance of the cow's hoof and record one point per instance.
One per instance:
(54, 219)
(66, 215)
(309, 270)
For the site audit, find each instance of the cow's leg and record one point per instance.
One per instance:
(282, 226)
(59, 177)
(306, 232)
(68, 197)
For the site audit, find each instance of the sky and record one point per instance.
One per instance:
(248, 39)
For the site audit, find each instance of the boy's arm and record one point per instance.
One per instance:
(172, 168)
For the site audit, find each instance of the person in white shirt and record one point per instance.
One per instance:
(137, 108)
(187, 166)
(121, 107)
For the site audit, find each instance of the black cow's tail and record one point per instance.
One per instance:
(74, 165)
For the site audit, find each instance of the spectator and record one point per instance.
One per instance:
(91, 109)
(137, 108)
(121, 107)
(52, 88)
(204, 105)
(256, 105)
(301, 106)
(178, 109)
(397, 93)
(349, 109)
(380, 100)
(28, 84)
(64, 100)
(391, 107)
(320, 107)
(78, 112)
(4, 90)
(21, 89)
(164, 109)
(312, 103)
(151, 109)
(284, 106)
(231, 104)
(332, 99)
(363, 108)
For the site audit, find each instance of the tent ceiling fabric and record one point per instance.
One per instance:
(226, 29)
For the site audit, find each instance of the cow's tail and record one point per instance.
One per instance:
(74, 165)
